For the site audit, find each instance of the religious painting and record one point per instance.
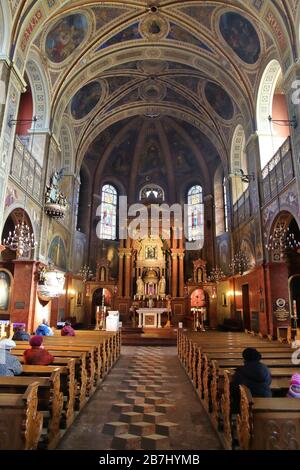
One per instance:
(79, 298)
(57, 253)
(219, 100)
(151, 252)
(85, 100)
(241, 36)
(65, 36)
(5, 288)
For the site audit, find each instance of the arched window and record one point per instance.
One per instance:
(152, 191)
(195, 214)
(108, 220)
(225, 200)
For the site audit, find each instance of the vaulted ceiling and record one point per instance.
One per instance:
(191, 66)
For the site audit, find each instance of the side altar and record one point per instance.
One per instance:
(150, 317)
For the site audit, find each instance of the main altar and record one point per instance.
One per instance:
(150, 317)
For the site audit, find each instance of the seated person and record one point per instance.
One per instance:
(294, 390)
(37, 355)
(9, 364)
(44, 329)
(67, 330)
(254, 375)
(20, 334)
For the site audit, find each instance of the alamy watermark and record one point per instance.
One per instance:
(137, 222)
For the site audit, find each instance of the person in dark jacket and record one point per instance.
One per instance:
(20, 334)
(37, 355)
(253, 374)
(67, 330)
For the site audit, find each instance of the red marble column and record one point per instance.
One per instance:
(127, 274)
(181, 274)
(24, 292)
(174, 274)
(120, 274)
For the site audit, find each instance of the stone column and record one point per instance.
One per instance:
(209, 249)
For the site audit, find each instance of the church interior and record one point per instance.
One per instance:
(150, 199)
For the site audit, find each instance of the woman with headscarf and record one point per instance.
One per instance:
(37, 355)
(9, 364)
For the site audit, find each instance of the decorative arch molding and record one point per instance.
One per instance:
(5, 28)
(219, 201)
(17, 214)
(265, 95)
(238, 161)
(280, 221)
(40, 92)
(67, 140)
(138, 109)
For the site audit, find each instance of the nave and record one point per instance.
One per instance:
(146, 402)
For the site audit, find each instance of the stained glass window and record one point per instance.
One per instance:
(109, 200)
(195, 214)
(225, 197)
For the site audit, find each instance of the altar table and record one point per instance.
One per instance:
(150, 317)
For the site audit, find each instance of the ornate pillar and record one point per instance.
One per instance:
(174, 273)
(128, 273)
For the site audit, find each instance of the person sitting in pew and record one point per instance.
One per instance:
(44, 329)
(37, 355)
(20, 334)
(294, 390)
(9, 364)
(67, 330)
(254, 375)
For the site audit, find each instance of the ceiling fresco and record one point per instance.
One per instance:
(219, 100)
(241, 36)
(85, 100)
(65, 36)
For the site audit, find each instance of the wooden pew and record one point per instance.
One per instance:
(20, 422)
(67, 383)
(81, 378)
(268, 423)
(50, 401)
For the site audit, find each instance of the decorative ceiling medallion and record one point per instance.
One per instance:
(152, 91)
(153, 67)
(65, 36)
(154, 27)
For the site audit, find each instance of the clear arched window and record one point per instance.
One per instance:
(225, 199)
(108, 220)
(195, 214)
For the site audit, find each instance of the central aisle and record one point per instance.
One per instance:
(146, 402)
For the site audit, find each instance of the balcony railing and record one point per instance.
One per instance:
(278, 172)
(25, 170)
(242, 209)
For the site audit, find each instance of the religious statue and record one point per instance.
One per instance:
(140, 286)
(162, 286)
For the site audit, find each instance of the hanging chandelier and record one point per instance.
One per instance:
(86, 273)
(21, 240)
(282, 240)
(240, 263)
(216, 275)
